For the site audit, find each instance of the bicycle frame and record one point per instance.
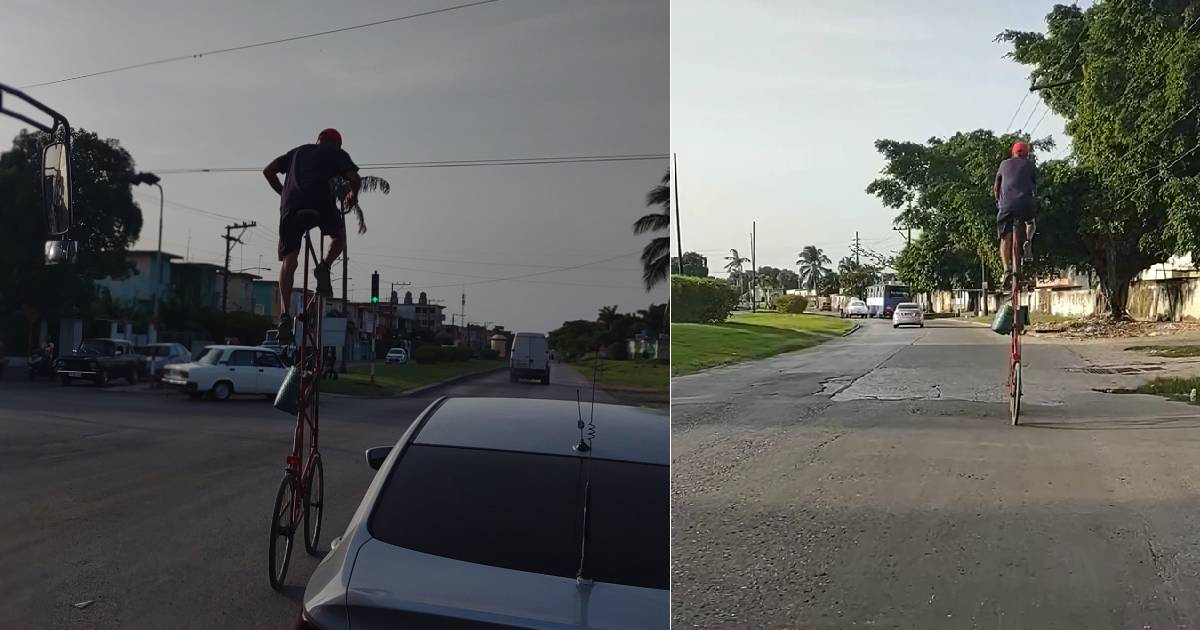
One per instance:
(1018, 324)
(310, 351)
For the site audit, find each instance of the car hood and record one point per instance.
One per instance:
(394, 587)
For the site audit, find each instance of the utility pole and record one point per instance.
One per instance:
(675, 179)
(753, 269)
(857, 250)
(345, 302)
(983, 287)
(463, 318)
(230, 239)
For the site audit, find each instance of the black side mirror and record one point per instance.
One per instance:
(377, 455)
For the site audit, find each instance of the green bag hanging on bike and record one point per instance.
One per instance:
(1003, 322)
(287, 399)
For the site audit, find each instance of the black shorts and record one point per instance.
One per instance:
(293, 225)
(1007, 220)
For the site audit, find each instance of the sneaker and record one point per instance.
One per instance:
(1027, 251)
(285, 330)
(324, 284)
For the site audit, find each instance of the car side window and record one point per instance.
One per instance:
(268, 359)
(241, 357)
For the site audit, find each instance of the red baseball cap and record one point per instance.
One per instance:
(1019, 149)
(330, 135)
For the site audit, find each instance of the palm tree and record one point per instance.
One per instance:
(655, 319)
(370, 183)
(656, 256)
(812, 261)
(608, 316)
(734, 267)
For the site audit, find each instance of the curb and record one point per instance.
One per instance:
(852, 330)
(424, 388)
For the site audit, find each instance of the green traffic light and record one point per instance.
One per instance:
(374, 298)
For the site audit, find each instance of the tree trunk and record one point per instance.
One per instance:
(1114, 275)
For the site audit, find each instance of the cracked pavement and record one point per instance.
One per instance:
(875, 481)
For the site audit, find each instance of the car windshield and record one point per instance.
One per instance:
(907, 307)
(210, 356)
(96, 346)
(396, 351)
(522, 511)
(156, 351)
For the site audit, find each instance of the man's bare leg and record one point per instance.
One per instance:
(287, 276)
(336, 245)
(1006, 252)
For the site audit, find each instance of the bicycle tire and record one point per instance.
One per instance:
(314, 504)
(1014, 402)
(277, 562)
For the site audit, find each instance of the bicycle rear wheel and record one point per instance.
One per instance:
(1014, 394)
(314, 504)
(283, 529)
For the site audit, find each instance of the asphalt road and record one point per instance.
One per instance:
(876, 482)
(157, 507)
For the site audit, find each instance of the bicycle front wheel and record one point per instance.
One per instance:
(314, 504)
(283, 528)
(1014, 401)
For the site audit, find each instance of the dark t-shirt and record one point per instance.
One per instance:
(309, 168)
(1017, 180)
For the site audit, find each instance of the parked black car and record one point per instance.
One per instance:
(100, 360)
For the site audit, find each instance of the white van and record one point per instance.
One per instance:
(530, 358)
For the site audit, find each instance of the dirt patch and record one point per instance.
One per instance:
(1100, 328)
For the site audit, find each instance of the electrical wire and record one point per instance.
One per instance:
(220, 51)
(374, 166)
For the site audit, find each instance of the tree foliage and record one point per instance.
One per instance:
(811, 261)
(107, 221)
(656, 256)
(693, 265)
(1132, 113)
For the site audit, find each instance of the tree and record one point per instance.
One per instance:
(107, 222)
(574, 338)
(370, 184)
(655, 319)
(855, 281)
(830, 283)
(608, 316)
(733, 266)
(788, 279)
(693, 265)
(656, 256)
(811, 261)
(1129, 114)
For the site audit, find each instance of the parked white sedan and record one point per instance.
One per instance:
(857, 308)
(222, 371)
(908, 314)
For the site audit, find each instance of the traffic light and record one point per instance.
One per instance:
(375, 287)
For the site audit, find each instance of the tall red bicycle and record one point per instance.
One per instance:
(1019, 233)
(301, 494)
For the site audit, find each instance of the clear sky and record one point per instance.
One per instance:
(776, 104)
(515, 78)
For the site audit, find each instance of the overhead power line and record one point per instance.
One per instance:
(273, 42)
(538, 273)
(515, 161)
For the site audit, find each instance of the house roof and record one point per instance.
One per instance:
(196, 264)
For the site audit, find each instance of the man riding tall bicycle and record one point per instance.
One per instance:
(1015, 191)
(307, 201)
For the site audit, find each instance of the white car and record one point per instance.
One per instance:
(857, 308)
(396, 355)
(159, 355)
(474, 521)
(908, 314)
(222, 371)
